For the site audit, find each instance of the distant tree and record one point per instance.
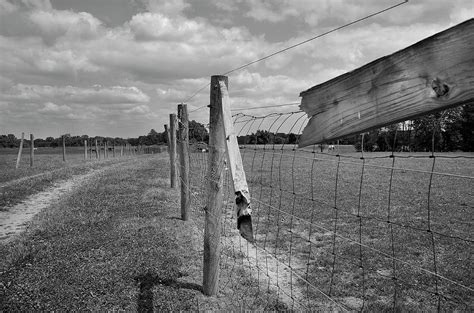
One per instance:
(292, 138)
(197, 132)
(153, 137)
(467, 127)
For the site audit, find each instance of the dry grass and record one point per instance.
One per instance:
(350, 243)
(116, 243)
(17, 184)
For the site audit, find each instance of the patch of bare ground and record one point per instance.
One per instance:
(16, 219)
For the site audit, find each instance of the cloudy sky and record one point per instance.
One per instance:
(120, 67)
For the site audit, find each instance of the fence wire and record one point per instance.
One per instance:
(338, 229)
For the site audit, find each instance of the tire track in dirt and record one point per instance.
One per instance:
(15, 220)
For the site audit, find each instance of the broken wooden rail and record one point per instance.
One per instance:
(433, 74)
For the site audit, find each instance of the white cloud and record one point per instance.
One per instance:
(171, 8)
(70, 94)
(53, 24)
(50, 107)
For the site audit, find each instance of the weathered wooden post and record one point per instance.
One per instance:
(173, 173)
(97, 154)
(32, 150)
(241, 189)
(212, 228)
(85, 149)
(121, 150)
(20, 150)
(64, 148)
(113, 147)
(183, 135)
(106, 153)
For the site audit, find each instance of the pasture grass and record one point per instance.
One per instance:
(366, 235)
(49, 167)
(114, 244)
(353, 224)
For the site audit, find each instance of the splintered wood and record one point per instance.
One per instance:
(242, 195)
(433, 74)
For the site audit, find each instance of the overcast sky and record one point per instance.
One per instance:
(120, 67)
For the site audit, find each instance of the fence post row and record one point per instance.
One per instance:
(20, 150)
(183, 135)
(213, 210)
(173, 173)
(32, 150)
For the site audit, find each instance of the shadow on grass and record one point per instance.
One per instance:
(146, 283)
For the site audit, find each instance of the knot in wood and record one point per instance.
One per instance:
(439, 87)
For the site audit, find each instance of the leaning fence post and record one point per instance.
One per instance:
(32, 150)
(64, 148)
(214, 177)
(20, 150)
(184, 159)
(85, 149)
(241, 189)
(97, 155)
(173, 172)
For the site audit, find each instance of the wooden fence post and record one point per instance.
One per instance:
(97, 154)
(183, 135)
(32, 150)
(212, 228)
(113, 147)
(64, 148)
(121, 150)
(20, 150)
(106, 152)
(85, 149)
(173, 173)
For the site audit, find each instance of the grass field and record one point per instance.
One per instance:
(48, 168)
(379, 240)
(374, 234)
(115, 243)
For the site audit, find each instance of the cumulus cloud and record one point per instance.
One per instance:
(50, 107)
(71, 63)
(53, 24)
(71, 94)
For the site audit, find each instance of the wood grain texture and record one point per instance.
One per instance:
(20, 150)
(173, 148)
(433, 74)
(183, 135)
(32, 150)
(241, 189)
(214, 181)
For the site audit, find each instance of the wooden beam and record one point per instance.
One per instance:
(241, 189)
(183, 136)
(433, 74)
(20, 151)
(173, 169)
(32, 150)
(214, 181)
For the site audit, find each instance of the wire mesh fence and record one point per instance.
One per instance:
(337, 229)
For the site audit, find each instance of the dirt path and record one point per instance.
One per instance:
(15, 220)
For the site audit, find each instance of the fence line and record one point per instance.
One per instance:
(341, 230)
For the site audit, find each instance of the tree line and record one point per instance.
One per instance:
(448, 130)
(197, 133)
